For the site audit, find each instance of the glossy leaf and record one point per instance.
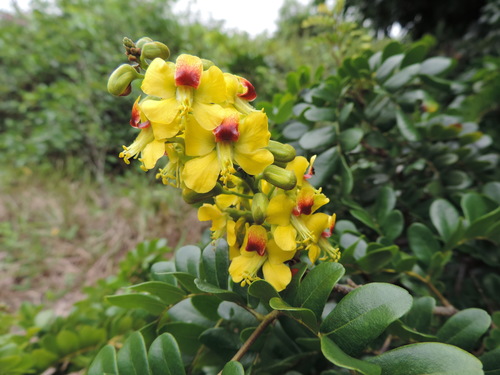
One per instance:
(262, 290)
(220, 339)
(165, 357)
(334, 354)
(429, 359)
(401, 78)
(167, 293)
(315, 288)
(132, 358)
(436, 65)
(186, 335)
(315, 114)
(364, 313)
(318, 138)
(393, 225)
(104, 362)
(138, 301)
(385, 203)
(345, 112)
(415, 54)
(445, 218)
(223, 294)
(421, 313)
(465, 328)
(324, 166)
(406, 126)
(377, 259)
(162, 271)
(347, 181)
(295, 130)
(350, 138)
(474, 206)
(233, 368)
(187, 259)
(388, 66)
(207, 305)
(422, 242)
(302, 315)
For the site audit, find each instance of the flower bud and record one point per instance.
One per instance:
(152, 50)
(283, 153)
(259, 207)
(279, 177)
(141, 42)
(192, 197)
(207, 64)
(119, 83)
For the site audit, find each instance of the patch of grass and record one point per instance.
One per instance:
(58, 233)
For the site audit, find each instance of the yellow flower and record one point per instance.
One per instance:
(231, 142)
(147, 146)
(258, 253)
(182, 88)
(239, 92)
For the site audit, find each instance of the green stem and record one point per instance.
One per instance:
(268, 319)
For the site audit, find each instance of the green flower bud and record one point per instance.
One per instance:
(192, 197)
(259, 207)
(119, 81)
(207, 64)
(152, 50)
(283, 153)
(141, 42)
(279, 177)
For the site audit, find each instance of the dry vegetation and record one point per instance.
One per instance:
(58, 234)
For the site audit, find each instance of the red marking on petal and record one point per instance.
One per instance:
(256, 242)
(135, 118)
(227, 131)
(309, 173)
(188, 70)
(250, 93)
(305, 204)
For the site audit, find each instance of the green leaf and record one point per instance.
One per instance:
(391, 49)
(318, 138)
(138, 301)
(315, 114)
(385, 203)
(315, 288)
(334, 354)
(492, 190)
(162, 271)
(347, 181)
(345, 112)
(132, 357)
(220, 339)
(406, 126)
(436, 65)
(363, 314)
(324, 166)
(491, 362)
(393, 225)
(402, 77)
(216, 263)
(377, 259)
(169, 294)
(421, 313)
(364, 217)
(233, 368)
(207, 305)
(415, 54)
(187, 259)
(284, 110)
(237, 315)
(422, 242)
(104, 362)
(302, 315)
(428, 359)
(67, 342)
(474, 206)
(388, 66)
(350, 138)
(186, 335)
(465, 328)
(445, 218)
(223, 294)
(263, 291)
(403, 332)
(187, 280)
(165, 357)
(295, 130)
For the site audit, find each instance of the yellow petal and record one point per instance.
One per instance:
(278, 275)
(244, 266)
(161, 111)
(277, 255)
(226, 200)
(254, 132)
(164, 131)
(151, 153)
(159, 79)
(279, 210)
(298, 166)
(200, 174)
(209, 116)
(285, 237)
(231, 232)
(212, 87)
(232, 87)
(316, 223)
(198, 140)
(313, 252)
(208, 212)
(255, 162)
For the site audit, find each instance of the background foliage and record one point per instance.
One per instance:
(406, 134)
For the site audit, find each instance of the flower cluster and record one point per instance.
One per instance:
(254, 191)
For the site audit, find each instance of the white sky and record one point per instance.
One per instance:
(252, 16)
